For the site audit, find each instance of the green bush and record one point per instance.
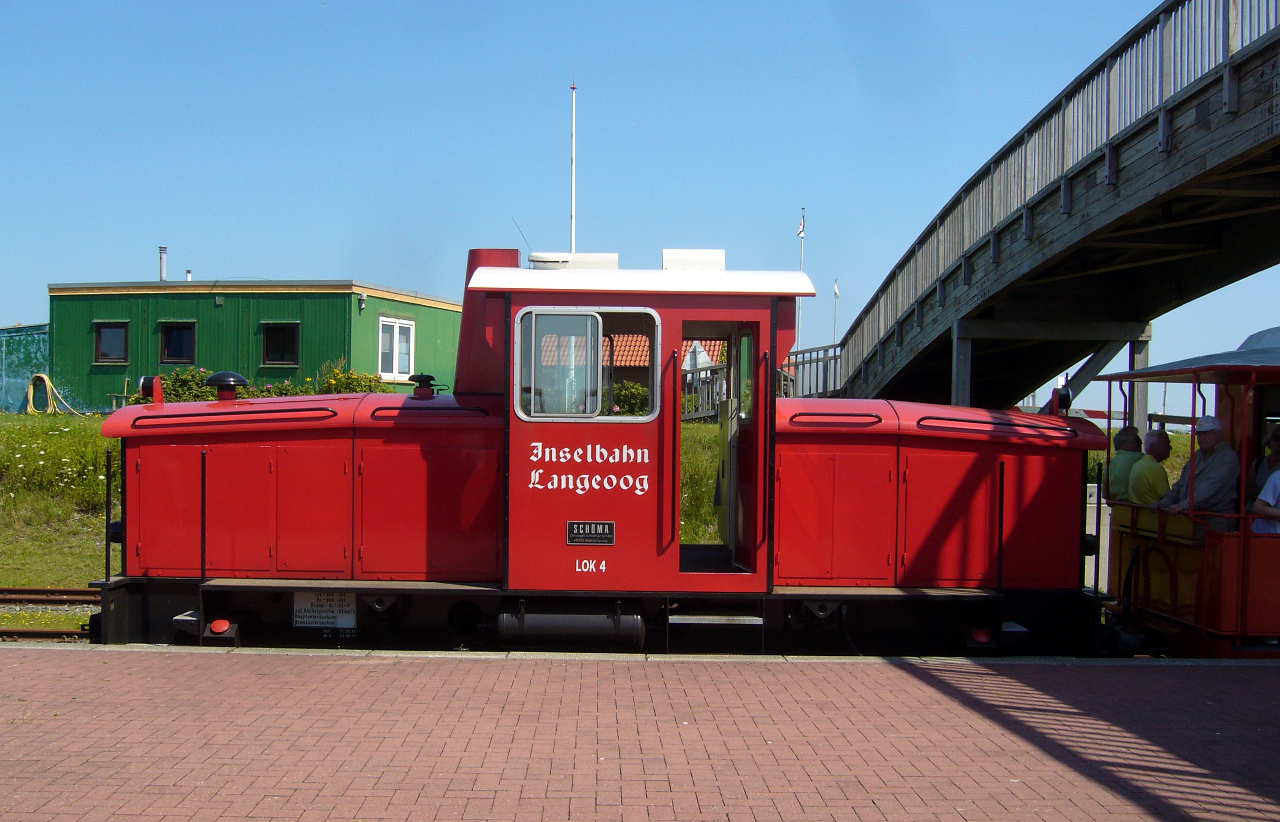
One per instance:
(630, 399)
(183, 385)
(335, 378)
(187, 385)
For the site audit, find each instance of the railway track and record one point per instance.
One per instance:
(43, 633)
(41, 599)
(49, 596)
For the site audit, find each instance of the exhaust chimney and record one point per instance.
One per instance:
(164, 251)
(188, 275)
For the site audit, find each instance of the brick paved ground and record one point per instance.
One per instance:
(94, 734)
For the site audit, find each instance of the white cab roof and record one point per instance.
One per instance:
(644, 281)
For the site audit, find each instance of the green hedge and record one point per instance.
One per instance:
(187, 385)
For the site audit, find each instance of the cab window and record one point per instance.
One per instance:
(559, 364)
(586, 364)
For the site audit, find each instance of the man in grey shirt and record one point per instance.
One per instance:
(1217, 475)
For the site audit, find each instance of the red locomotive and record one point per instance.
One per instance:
(534, 501)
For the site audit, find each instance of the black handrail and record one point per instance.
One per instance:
(1065, 432)
(419, 410)
(871, 419)
(273, 415)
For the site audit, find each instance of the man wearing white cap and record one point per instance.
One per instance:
(1217, 473)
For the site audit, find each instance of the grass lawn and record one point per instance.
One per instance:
(52, 472)
(699, 463)
(61, 619)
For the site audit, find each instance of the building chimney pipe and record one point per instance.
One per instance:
(188, 275)
(164, 252)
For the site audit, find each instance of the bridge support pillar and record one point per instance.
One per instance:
(961, 367)
(1136, 414)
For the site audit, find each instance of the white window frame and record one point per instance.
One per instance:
(396, 324)
(655, 393)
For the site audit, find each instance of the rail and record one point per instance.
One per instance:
(702, 390)
(811, 372)
(49, 596)
(1178, 44)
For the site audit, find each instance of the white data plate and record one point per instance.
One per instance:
(324, 609)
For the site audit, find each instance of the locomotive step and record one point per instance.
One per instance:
(714, 619)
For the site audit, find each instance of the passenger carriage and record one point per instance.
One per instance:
(1203, 583)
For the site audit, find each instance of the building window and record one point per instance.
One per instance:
(111, 342)
(178, 343)
(395, 348)
(280, 343)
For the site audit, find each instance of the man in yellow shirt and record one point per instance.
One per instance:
(1128, 451)
(1148, 480)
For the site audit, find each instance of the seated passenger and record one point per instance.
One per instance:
(1217, 471)
(1267, 464)
(1268, 505)
(1148, 481)
(1128, 452)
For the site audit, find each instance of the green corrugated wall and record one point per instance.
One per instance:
(435, 339)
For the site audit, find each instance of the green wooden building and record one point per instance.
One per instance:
(104, 336)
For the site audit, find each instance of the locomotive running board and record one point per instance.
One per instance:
(885, 593)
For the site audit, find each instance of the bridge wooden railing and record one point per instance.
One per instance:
(810, 372)
(1176, 46)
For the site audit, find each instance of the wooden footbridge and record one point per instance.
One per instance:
(1152, 179)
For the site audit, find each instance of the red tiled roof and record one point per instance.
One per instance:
(714, 349)
(630, 350)
(555, 350)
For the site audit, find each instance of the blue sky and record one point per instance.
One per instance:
(379, 141)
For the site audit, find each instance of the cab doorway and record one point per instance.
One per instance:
(717, 408)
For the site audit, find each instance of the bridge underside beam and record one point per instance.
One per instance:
(1089, 330)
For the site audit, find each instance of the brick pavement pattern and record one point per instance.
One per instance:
(94, 734)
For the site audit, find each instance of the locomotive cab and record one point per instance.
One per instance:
(600, 456)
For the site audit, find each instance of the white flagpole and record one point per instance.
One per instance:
(800, 300)
(835, 312)
(573, 168)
